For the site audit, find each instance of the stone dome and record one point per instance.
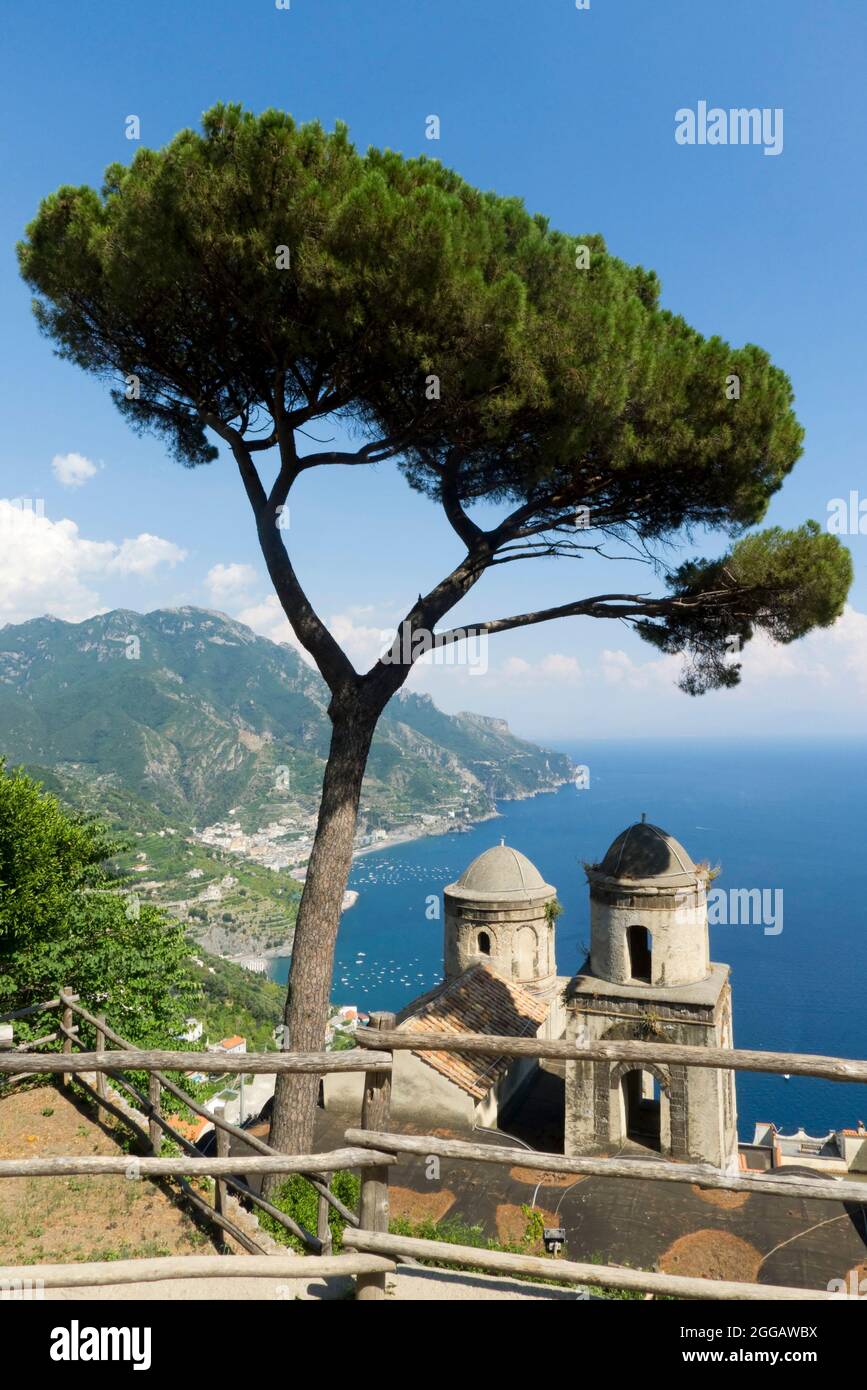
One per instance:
(644, 853)
(502, 873)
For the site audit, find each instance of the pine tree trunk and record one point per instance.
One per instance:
(309, 992)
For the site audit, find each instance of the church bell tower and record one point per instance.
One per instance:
(649, 977)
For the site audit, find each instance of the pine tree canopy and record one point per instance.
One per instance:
(260, 275)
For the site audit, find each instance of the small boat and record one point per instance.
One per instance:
(787, 1076)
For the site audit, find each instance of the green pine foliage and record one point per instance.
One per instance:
(262, 273)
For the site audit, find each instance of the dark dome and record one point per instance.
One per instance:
(645, 853)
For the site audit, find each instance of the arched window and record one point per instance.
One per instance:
(641, 1109)
(484, 943)
(640, 958)
(527, 944)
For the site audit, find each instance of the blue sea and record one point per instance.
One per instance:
(773, 815)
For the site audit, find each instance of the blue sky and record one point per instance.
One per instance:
(573, 110)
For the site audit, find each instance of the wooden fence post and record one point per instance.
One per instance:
(101, 1114)
(67, 1021)
(373, 1210)
(323, 1229)
(220, 1188)
(154, 1127)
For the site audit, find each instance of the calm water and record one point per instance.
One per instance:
(787, 816)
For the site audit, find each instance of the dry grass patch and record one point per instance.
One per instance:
(719, 1197)
(63, 1219)
(712, 1255)
(404, 1203)
(544, 1178)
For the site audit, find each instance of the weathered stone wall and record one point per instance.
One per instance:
(676, 921)
(520, 936)
(697, 1109)
(417, 1092)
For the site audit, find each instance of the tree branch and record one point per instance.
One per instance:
(629, 606)
(461, 524)
(336, 668)
(376, 452)
(249, 476)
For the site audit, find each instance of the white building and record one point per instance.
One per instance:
(235, 1044)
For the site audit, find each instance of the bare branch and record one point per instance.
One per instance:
(461, 524)
(257, 445)
(376, 452)
(249, 476)
(625, 606)
(332, 661)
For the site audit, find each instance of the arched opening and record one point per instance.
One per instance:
(640, 954)
(642, 1109)
(484, 943)
(527, 944)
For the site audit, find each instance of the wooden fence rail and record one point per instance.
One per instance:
(646, 1169)
(326, 1196)
(108, 1273)
(209, 1062)
(718, 1058)
(36, 1042)
(373, 1148)
(201, 1167)
(32, 1009)
(570, 1272)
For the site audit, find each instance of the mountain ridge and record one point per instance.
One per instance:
(194, 713)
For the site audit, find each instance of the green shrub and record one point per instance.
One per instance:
(298, 1199)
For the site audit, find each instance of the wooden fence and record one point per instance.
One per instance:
(372, 1251)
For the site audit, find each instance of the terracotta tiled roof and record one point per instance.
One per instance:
(190, 1129)
(478, 1001)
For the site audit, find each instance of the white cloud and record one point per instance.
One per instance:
(560, 667)
(268, 619)
(72, 470)
(361, 644)
(564, 670)
(49, 567)
(618, 668)
(229, 581)
(845, 644)
(144, 554)
(516, 666)
(823, 658)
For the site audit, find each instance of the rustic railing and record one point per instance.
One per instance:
(224, 1169)
(372, 1251)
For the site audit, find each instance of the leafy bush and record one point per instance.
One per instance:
(298, 1199)
(65, 920)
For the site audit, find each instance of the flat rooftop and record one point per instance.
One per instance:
(705, 994)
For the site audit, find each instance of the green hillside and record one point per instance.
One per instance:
(206, 744)
(193, 713)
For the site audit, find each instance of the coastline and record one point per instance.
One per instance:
(450, 827)
(405, 836)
